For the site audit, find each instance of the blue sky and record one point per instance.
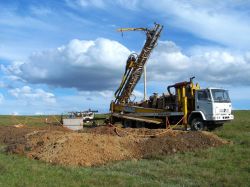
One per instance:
(63, 55)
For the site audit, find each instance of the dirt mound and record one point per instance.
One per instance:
(13, 134)
(100, 145)
(116, 131)
(79, 149)
(101, 130)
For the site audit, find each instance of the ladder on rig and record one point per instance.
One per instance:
(136, 63)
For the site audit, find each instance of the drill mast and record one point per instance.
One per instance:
(136, 63)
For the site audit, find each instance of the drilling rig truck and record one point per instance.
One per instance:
(185, 103)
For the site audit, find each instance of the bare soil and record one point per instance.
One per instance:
(100, 145)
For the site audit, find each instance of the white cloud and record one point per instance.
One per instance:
(15, 113)
(212, 65)
(84, 100)
(40, 11)
(14, 68)
(86, 65)
(129, 4)
(28, 93)
(10, 18)
(138, 96)
(218, 21)
(223, 22)
(101, 4)
(97, 65)
(107, 94)
(85, 3)
(96, 3)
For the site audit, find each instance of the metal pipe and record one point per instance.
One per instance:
(145, 83)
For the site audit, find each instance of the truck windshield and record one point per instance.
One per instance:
(220, 95)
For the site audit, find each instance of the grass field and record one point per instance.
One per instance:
(228, 165)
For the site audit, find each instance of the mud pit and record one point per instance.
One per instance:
(100, 145)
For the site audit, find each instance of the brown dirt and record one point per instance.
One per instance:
(100, 145)
(12, 134)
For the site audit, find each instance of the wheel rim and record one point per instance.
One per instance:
(198, 125)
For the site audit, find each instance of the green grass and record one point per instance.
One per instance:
(40, 120)
(27, 120)
(228, 165)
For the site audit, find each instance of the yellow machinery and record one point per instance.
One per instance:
(184, 103)
(136, 63)
(157, 110)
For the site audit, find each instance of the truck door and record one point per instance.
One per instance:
(203, 103)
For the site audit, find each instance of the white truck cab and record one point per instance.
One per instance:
(212, 108)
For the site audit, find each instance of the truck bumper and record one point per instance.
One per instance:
(223, 117)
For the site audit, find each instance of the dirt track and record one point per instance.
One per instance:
(100, 145)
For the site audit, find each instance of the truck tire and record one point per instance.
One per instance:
(198, 124)
(139, 124)
(127, 123)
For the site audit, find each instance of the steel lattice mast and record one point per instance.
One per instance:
(135, 64)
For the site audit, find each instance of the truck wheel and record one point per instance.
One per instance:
(198, 124)
(127, 123)
(139, 124)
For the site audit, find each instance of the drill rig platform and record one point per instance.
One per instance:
(184, 103)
